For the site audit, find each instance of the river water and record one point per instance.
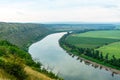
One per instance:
(60, 62)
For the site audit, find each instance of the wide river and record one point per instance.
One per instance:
(60, 62)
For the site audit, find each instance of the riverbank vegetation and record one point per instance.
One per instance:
(15, 64)
(89, 45)
(14, 57)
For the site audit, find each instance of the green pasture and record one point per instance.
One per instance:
(112, 34)
(107, 41)
(112, 49)
(88, 42)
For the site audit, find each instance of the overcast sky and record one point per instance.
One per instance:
(60, 10)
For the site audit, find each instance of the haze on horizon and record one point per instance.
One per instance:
(60, 10)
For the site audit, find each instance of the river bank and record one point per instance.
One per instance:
(88, 60)
(54, 58)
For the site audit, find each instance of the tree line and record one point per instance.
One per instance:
(95, 54)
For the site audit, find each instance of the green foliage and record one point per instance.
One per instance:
(104, 41)
(14, 60)
(5, 43)
(71, 41)
(14, 68)
(22, 34)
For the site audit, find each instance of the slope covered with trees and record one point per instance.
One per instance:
(16, 64)
(22, 34)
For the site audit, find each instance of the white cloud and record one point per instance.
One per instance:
(60, 10)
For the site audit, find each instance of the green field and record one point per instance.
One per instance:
(107, 41)
(88, 42)
(112, 34)
(112, 49)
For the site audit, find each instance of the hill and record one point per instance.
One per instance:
(16, 64)
(77, 27)
(22, 34)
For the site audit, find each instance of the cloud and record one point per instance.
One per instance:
(60, 10)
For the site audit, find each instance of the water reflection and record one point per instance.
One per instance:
(69, 67)
(93, 64)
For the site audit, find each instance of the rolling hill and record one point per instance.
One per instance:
(22, 34)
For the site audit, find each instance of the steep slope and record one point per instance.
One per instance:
(22, 34)
(16, 64)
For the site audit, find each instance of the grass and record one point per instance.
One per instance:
(88, 42)
(5, 76)
(112, 34)
(107, 41)
(34, 75)
(88, 58)
(16, 64)
(112, 49)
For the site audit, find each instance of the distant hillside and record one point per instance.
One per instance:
(21, 34)
(68, 27)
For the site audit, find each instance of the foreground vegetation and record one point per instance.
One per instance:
(89, 47)
(16, 64)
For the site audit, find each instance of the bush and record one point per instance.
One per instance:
(14, 68)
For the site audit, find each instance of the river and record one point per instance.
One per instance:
(60, 62)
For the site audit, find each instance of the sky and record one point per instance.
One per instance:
(59, 10)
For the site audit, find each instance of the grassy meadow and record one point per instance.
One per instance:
(107, 41)
(88, 42)
(112, 49)
(111, 34)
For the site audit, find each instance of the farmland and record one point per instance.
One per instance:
(111, 34)
(88, 42)
(112, 49)
(106, 41)
(98, 46)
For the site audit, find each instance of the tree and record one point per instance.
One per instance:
(101, 56)
(106, 57)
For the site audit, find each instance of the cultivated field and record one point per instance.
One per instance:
(88, 42)
(112, 34)
(112, 49)
(107, 41)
